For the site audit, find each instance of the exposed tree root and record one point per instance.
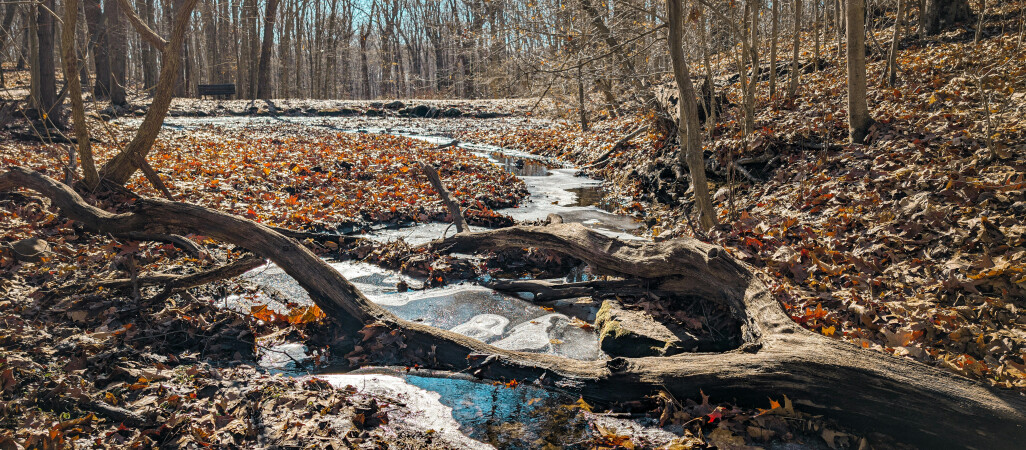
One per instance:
(864, 390)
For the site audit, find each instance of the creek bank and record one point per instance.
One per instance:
(414, 108)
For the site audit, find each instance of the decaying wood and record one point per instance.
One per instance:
(864, 390)
(450, 204)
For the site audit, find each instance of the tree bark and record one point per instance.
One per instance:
(773, 49)
(121, 167)
(117, 50)
(892, 56)
(750, 47)
(5, 25)
(689, 131)
(940, 14)
(46, 95)
(864, 390)
(858, 109)
(98, 45)
(264, 72)
(792, 86)
(70, 60)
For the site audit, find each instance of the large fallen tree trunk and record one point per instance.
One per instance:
(864, 390)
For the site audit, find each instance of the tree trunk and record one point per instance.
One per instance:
(752, 54)
(582, 107)
(99, 46)
(117, 50)
(644, 90)
(816, 16)
(858, 110)
(869, 392)
(792, 87)
(70, 60)
(689, 131)
(892, 56)
(46, 95)
(940, 14)
(5, 25)
(712, 109)
(149, 55)
(773, 49)
(121, 167)
(264, 88)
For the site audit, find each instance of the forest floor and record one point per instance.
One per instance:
(913, 244)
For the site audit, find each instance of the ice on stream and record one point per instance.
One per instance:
(506, 321)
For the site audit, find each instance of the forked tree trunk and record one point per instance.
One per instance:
(689, 131)
(70, 59)
(858, 109)
(864, 390)
(121, 167)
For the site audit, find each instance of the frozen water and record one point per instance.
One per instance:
(469, 309)
(483, 327)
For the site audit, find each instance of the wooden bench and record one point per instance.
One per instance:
(223, 90)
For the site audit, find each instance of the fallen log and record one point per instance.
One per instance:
(866, 391)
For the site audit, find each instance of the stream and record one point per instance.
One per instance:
(462, 412)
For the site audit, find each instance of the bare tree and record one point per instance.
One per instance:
(264, 72)
(121, 167)
(792, 87)
(5, 30)
(891, 72)
(44, 93)
(689, 131)
(117, 51)
(773, 48)
(858, 109)
(70, 60)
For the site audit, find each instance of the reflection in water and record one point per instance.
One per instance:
(587, 196)
(521, 167)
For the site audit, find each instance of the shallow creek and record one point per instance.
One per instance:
(463, 412)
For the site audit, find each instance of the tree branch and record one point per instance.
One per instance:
(144, 30)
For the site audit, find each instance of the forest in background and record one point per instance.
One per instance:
(436, 49)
